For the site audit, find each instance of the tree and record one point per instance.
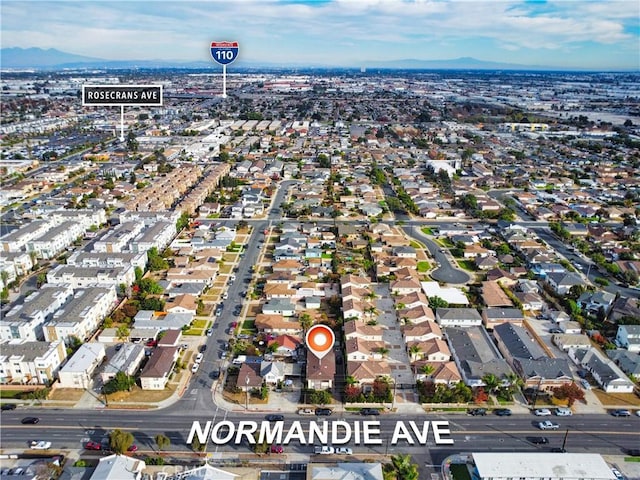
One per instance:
(183, 222)
(122, 333)
(305, 321)
(4, 275)
(414, 350)
(41, 279)
(120, 441)
(437, 302)
(491, 382)
(162, 441)
(570, 392)
(119, 383)
(427, 369)
(402, 468)
(273, 347)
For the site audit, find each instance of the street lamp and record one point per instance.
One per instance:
(246, 402)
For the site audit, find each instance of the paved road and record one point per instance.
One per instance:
(69, 429)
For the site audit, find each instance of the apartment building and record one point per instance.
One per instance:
(54, 241)
(79, 277)
(30, 362)
(118, 239)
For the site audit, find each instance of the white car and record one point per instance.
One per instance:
(548, 425)
(199, 357)
(564, 412)
(40, 445)
(195, 367)
(344, 451)
(323, 450)
(542, 412)
(617, 473)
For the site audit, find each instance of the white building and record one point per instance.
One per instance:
(16, 240)
(82, 315)
(78, 371)
(118, 239)
(25, 320)
(118, 467)
(26, 362)
(79, 277)
(126, 360)
(54, 241)
(158, 235)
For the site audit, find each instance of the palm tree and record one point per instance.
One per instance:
(305, 321)
(515, 382)
(414, 350)
(427, 369)
(350, 380)
(491, 382)
(383, 351)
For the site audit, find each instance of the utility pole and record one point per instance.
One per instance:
(564, 441)
(246, 402)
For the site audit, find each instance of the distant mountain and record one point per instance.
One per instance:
(39, 58)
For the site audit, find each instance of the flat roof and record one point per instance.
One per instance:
(550, 466)
(450, 294)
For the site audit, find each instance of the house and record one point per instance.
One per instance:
(363, 350)
(416, 315)
(365, 373)
(475, 355)
(171, 338)
(287, 345)
(183, 303)
(494, 296)
(276, 324)
(491, 317)
(156, 372)
(118, 467)
(279, 306)
(127, 360)
(446, 373)
(30, 362)
(629, 362)
(320, 372)
(421, 332)
(628, 336)
(77, 372)
(249, 377)
(458, 317)
(405, 286)
(432, 350)
(357, 329)
(608, 375)
(565, 342)
(561, 283)
(594, 302)
(345, 471)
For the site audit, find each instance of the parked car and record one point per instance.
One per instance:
(369, 411)
(92, 446)
(548, 425)
(8, 406)
(199, 357)
(538, 440)
(542, 412)
(323, 412)
(585, 384)
(502, 412)
(209, 332)
(277, 449)
(563, 412)
(621, 412)
(39, 445)
(203, 348)
(344, 451)
(215, 374)
(274, 418)
(477, 412)
(555, 330)
(305, 411)
(617, 473)
(323, 450)
(132, 448)
(29, 420)
(195, 367)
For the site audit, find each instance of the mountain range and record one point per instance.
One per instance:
(52, 59)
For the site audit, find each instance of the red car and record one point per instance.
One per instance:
(234, 324)
(92, 446)
(276, 449)
(132, 448)
(152, 343)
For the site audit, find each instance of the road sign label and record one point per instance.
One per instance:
(224, 53)
(119, 95)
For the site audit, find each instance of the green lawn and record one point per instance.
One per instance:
(199, 324)
(10, 394)
(194, 331)
(467, 265)
(423, 266)
(427, 231)
(415, 244)
(459, 472)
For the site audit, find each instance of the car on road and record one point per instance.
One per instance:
(209, 332)
(477, 412)
(558, 450)
(502, 412)
(39, 445)
(563, 412)
(132, 448)
(542, 412)
(234, 324)
(274, 418)
(215, 374)
(29, 420)
(633, 452)
(199, 357)
(323, 450)
(555, 330)
(548, 425)
(305, 411)
(617, 473)
(223, 355)
(585, 384)
(8, 406)
(369, 411)
(343, 451)
(225, 295)
(92, 446)
(323, 412)
(538, 440)
(195, 367)
(203, 348)
(621, 412)
(277, 449)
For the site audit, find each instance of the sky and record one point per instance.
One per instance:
(596, 34)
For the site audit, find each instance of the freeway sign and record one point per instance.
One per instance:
(224, 53)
